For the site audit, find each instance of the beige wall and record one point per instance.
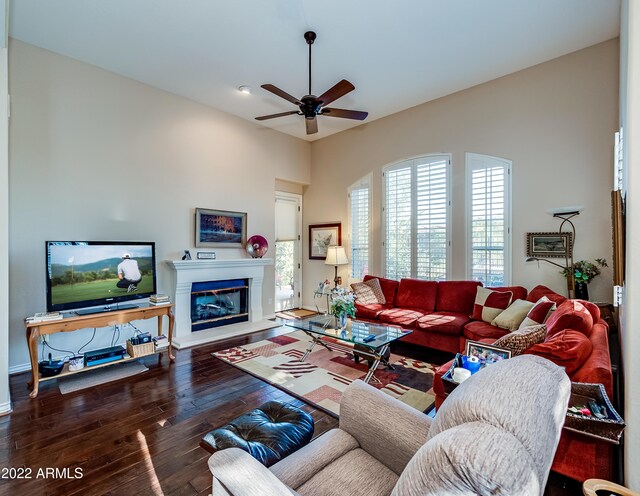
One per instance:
(96, 156)
(555, 121)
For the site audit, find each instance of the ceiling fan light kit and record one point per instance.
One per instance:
(312, 106)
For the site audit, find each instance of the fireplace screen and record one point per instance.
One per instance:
(218, 303)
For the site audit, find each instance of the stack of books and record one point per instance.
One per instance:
(44, 317)
(161, 342)
(159, 299)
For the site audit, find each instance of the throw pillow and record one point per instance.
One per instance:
(539, 313)
(489, 304)
(572, 314)
(512, 317)
(522, 339)
(568, 349)
(540, 291)
(368, 292)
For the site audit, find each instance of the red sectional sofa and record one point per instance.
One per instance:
(439, 315)
(437, 312)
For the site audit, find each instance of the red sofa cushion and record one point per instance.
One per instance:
(404, 317)
(389, 288)
(456, 296)
(415, 293)
(593, 309)
(443, 322)
(519, 292)
(478, 330)
(540, 291)
(572, 314)
(567, 348)
(370, 311)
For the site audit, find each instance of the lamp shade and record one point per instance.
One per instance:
(336, 255)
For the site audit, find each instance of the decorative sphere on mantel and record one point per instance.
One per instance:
(257, 246)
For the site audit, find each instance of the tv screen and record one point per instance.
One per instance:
(83, 274)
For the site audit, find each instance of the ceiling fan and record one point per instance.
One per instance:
(310, 105)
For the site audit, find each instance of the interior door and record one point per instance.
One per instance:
(288, 261)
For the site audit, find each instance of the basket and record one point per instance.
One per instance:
(608, 429)
(138, 350)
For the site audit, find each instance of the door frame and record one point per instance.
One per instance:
(297, 267)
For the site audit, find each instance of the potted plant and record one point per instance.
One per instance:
(583, 273)
(343, 306)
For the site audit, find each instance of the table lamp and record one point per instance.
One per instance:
(336, 255)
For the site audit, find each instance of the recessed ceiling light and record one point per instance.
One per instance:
(244, 89)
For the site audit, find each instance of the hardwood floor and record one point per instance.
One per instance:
(139, 436)
(136, 436)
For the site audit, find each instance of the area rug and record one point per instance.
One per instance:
(324, 375)
(99, 376)
(297, 313)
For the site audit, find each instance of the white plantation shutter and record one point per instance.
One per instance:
(359, 207)
(416, 215)
(489, 229)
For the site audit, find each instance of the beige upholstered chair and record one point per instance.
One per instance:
(496, 434)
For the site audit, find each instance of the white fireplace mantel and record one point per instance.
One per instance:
(185, 272)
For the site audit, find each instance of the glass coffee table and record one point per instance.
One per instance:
(375, 350)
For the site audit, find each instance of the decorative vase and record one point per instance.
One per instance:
(581, 291)
(257, 246)
(342, 319)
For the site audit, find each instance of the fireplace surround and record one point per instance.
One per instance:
(183, 275)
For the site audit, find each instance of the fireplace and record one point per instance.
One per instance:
(219, 303)
(185, 273)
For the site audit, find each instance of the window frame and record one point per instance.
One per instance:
(365, 182)
(413, 162)
(476, 161)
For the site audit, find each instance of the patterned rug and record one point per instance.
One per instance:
(321, 379)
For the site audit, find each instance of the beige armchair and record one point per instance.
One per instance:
(496, 434)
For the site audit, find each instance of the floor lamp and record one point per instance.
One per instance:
(336, 255)
(563, 267)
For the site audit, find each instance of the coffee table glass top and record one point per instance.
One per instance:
(355, 332)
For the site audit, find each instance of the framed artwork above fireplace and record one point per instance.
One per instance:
(220, 229)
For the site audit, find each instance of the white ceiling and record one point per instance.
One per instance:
(397, 53)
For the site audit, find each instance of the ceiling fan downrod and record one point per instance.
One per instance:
(310, 37)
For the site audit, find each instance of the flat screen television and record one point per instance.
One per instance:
(82, 274)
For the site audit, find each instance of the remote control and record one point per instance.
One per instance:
(370, 337)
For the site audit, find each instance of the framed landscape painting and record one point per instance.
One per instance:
(549, 245)
(321, 236)
(220, 229)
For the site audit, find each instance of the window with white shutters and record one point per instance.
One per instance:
(359, 215)
(416, 218)
(489, 219)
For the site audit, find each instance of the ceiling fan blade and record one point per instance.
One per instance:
(273, 116)
(282, 94)
(345, 114)
(312, 125)
(338, 90)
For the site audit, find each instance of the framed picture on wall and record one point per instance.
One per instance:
(321, 236)
(220, 229)
(549, 245)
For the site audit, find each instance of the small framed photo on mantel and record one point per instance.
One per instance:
(220, 229)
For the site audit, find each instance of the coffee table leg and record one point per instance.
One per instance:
(315, 340)
(379, 353)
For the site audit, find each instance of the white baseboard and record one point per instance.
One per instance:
(16, 369)
(5, 408)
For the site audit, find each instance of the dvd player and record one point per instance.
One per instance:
(105, 355)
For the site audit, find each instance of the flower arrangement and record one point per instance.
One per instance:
(343, 303)
(584, 271)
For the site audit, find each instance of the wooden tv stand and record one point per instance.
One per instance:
(103, 319)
